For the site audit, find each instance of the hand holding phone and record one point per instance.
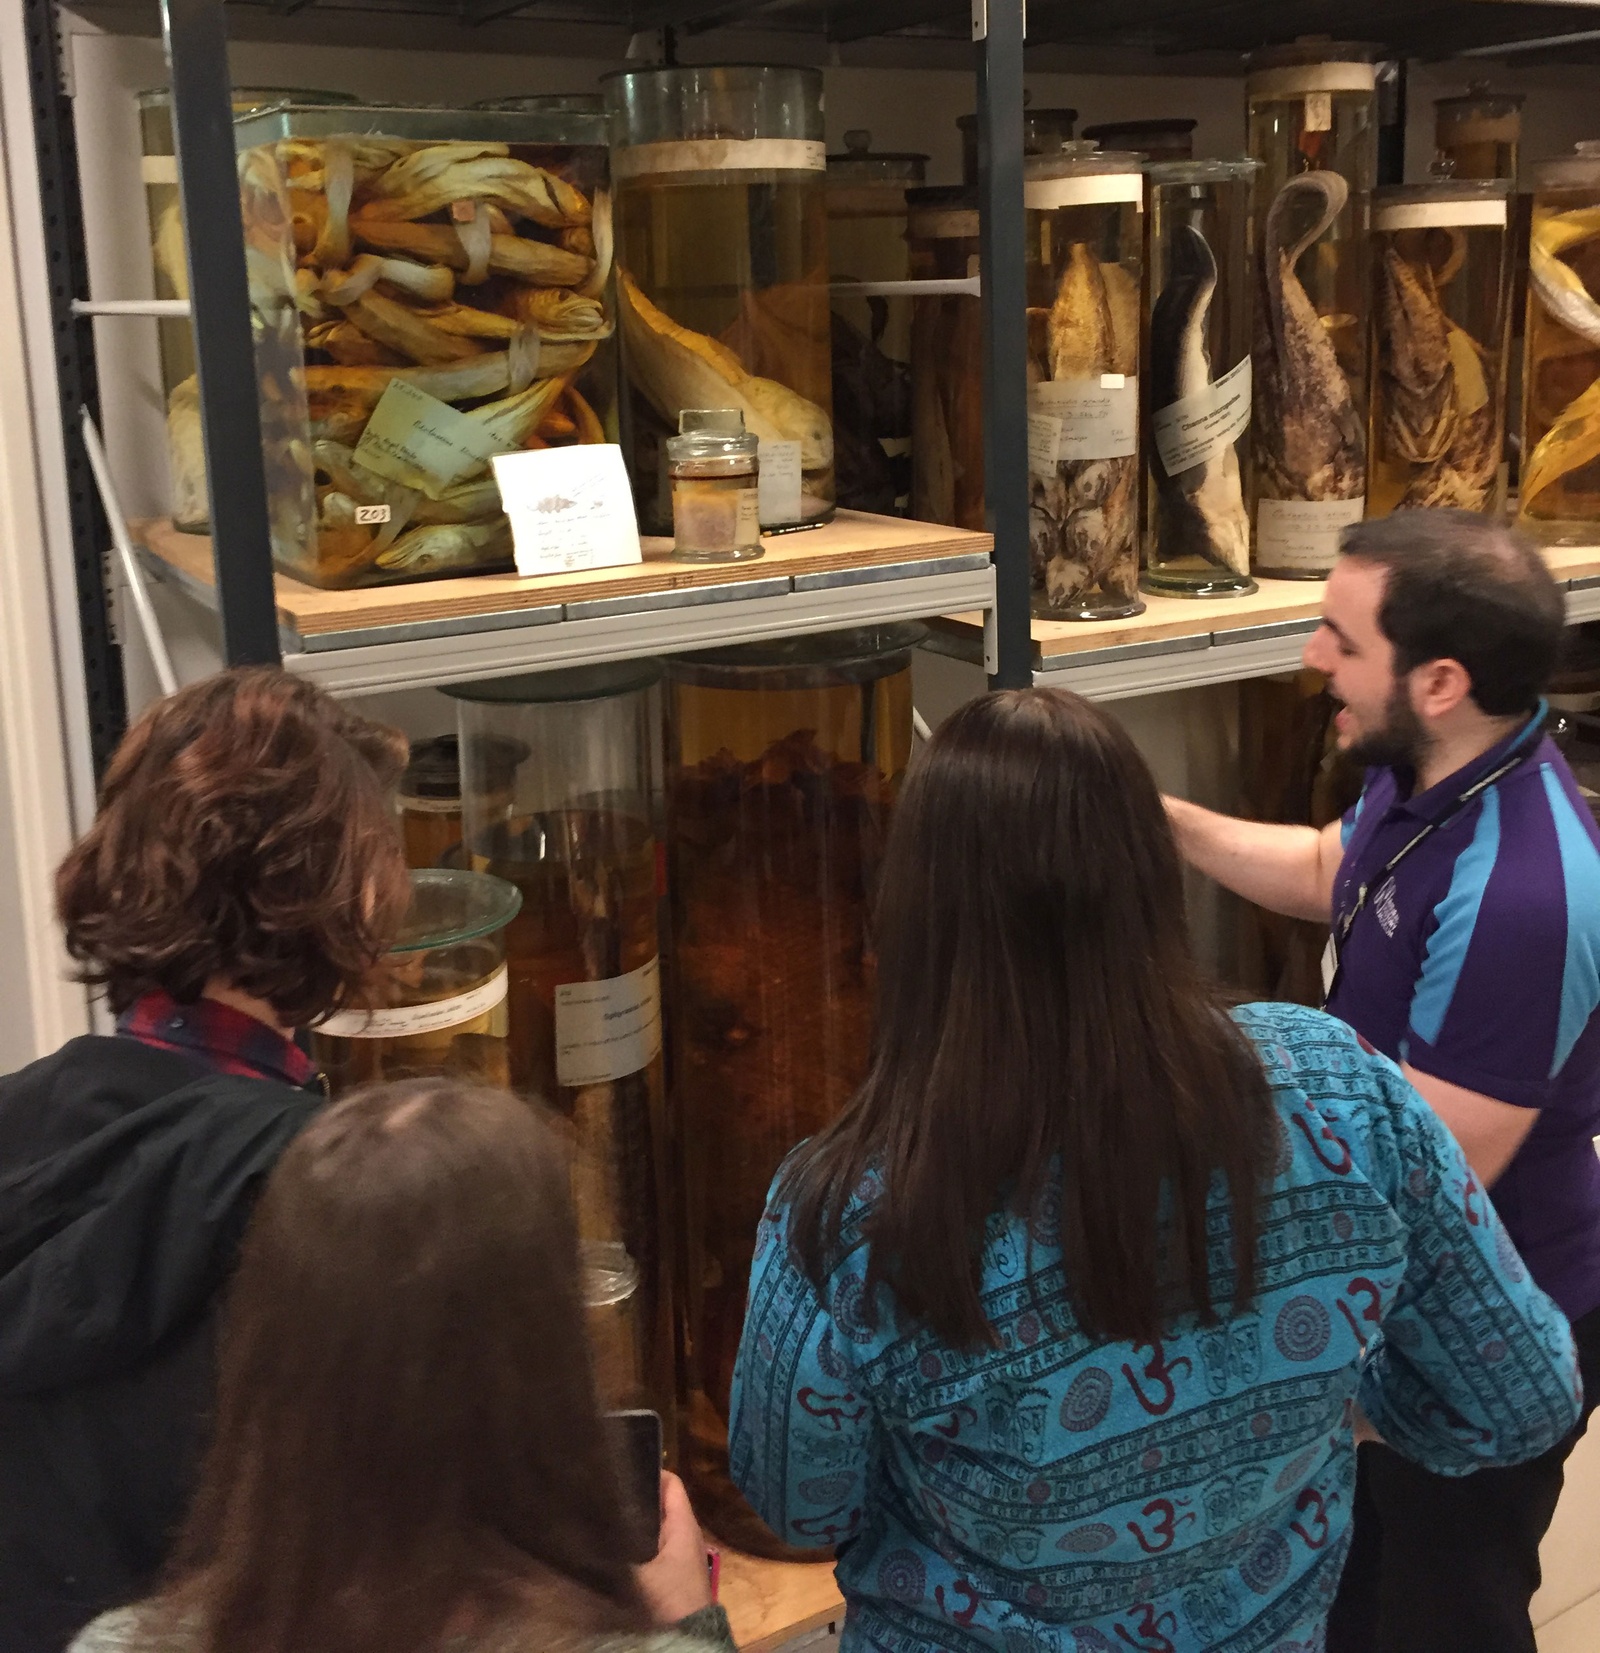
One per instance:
(636, 1439)
(676, 1583)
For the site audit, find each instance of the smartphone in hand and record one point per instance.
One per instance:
(637, 1444)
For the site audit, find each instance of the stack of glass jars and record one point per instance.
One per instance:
(722, 273)
(784, 763)
(573, 828)
(871, 335)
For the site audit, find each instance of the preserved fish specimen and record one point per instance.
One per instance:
(722, 258)
(1442, 325)
(1198, 528)
(946, 361)
(430, 290)
(1313, 127)
(437, 1005)
(785, 760)
(1560, 497)
(1085, 250)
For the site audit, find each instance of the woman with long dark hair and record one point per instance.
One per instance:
(1060, 1330)
(408, 1456)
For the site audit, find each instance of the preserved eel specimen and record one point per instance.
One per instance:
(1203, 507)
(1573, 439)
(1308, 431)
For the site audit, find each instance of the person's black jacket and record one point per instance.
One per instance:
(126, 1177)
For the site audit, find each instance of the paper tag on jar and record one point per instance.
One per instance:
(606, 1030)
(570, 508)
(1196, 429)
(1044, 443)
(1301, 536)
(1099, 416)
(1319, 111)
(406, 1021)
(778, 482)
(420, 442)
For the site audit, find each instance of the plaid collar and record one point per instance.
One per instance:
(225, 1039)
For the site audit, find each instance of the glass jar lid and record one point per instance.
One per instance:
(860, 655)
(1163, 134)
(434, 771)
(609, 1275)
(1313, 63)
(861, 164)
(548, 103)
(1182, 173)
(1579, 170)
(1478, 102)
(710, 434)
(597, 682)
(246, 98)
(449, 906)
(691, 102)
(1082, 160)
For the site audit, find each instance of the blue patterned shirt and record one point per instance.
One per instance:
(1061, 1494)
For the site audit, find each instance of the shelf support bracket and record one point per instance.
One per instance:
(196, 36)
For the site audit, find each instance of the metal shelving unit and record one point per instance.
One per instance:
(998, 37)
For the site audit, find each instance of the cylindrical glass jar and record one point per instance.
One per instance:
(575, 832)
(1085, 270)
(711, 462)
(610, 1280)
(438, 1003)
(1441, 318)
(1197, 379)
(191, 504)
(1559, 501)
(871, 334)
(946, 360)
(1313, 126)
(428, 799)
(1154, 140)
(722, 273)
(1480, 132)
(784, 761)
(429, 287)
(1043, 133)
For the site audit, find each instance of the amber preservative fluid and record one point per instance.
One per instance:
(1560, 487)
(574, 830)
(871, 334)
(1313, 128)
(946, 360)
(713, 469)
(1441, 320)
(1085, 251)
(1198, 379)
(1480, 132)
(784, 761)
(437, 1005)
(191, 506)
(428, 799)
(722, 273)
(429, 288)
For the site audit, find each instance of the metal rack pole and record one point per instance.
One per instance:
(202, 123)
(998, 26)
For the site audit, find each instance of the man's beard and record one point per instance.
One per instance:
(1402, 742)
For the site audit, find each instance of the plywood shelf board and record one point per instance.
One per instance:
(773, 1602)
(853, 540)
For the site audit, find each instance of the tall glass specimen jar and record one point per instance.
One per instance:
(1441, 315)
(1480, 132)
(1085, 271)
(438, 1004)
(191, 507)
(430, 287)
(1313, 127)
(871, 335)
(1560, 493)
(784, 761)
(575, 832)
(946, 360)
(722, 273)
(1198, 379)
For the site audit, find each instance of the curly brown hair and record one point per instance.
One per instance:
(245, 834)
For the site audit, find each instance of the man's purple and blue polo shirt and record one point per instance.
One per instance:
(1478, 962)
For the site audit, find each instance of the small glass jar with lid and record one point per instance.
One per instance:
(871, 331)
(1166, 139)
(1559, 500)
(1480, 131)
(1313, 124)
(942, 240)
(1198, 379)
(716, 510)
(437, 1004)
(428, 799)
(1441, 335)
(1085, 275)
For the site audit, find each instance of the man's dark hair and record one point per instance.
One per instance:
(1463, 588)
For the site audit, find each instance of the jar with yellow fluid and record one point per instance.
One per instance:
(713, 466)
(437, 1004)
